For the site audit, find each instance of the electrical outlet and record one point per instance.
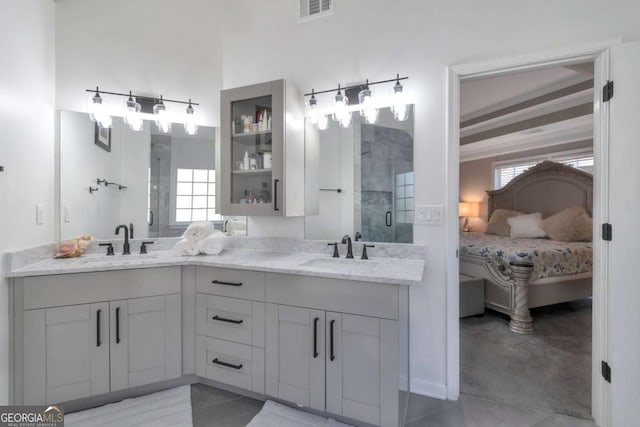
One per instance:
(429, 215)
(39, 214)
(67, 214)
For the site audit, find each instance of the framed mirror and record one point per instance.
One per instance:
(157, 182)
(366, 181)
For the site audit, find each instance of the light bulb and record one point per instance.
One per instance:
(190, 125)
(368, 108)
(313, 109)
(162, 120)
(98, 110)
(322, 122)
(341, 112)
(132, 118)
(399, 106)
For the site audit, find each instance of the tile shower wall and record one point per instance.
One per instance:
(160, 186)
(385, 153)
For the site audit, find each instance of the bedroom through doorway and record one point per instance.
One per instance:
(526, 253)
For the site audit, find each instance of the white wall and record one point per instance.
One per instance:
(26, 139)
(151, 47)
(116, 43)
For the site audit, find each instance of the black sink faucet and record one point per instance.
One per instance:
(347, 240)
(125, 246)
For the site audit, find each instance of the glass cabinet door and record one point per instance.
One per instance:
(251, 151)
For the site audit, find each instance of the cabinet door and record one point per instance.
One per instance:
(66, 353)
(252, 138)
(362, 368)
(295, 355)
(145, 341)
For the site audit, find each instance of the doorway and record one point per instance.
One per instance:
(598, 53)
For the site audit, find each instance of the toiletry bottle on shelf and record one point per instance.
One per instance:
(269, 123)
(246, 160)
(264, 124)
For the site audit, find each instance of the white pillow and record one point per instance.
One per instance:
(527, 226)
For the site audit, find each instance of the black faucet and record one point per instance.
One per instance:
(347, 240)
(131, 230)
(125, 246)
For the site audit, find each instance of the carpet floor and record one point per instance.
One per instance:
(549, 369)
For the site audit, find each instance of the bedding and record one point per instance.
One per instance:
(498, 224)
(549, 257)
(529, 226)
(569, 225)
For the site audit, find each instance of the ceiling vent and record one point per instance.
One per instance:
(311, 9)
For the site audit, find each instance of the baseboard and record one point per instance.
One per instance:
(428, 388)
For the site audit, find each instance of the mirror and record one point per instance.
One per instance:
(366, 181)
(157, 182)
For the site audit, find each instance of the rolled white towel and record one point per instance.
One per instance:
(185, 248)
(197, 231)
(213, 244)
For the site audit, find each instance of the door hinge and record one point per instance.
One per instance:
(606, 371)
(607, 91)
(457, 254)
(607, 232)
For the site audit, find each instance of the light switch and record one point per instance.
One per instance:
(39, 214)
(429, 215)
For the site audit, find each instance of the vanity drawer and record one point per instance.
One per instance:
(230, 363)
(230, 319)
(231, 283)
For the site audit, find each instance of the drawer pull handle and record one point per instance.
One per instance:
(228, 365)
(220, 282)
(98, 340)
(117, 325)
(223, 319)
(315, 337)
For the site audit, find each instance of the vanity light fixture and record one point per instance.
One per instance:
(138, 108)
(368, 104)
(132, 118)
(341, 113)
(368, 109)
(190, 125)
(98, 113)
(399, 106)
(162, 119)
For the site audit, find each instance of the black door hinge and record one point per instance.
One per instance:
(607, 232)
(607, 91)
(606, 371)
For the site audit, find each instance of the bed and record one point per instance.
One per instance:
(521, 274)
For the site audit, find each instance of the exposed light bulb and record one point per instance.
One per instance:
(399, 106)
(190, 125)
(313, 109)
(98, 110)
(162, 120)
(341, 112)
(132, 117)
(368, 109)
(322, 122)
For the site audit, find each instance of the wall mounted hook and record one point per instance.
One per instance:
(93, 190)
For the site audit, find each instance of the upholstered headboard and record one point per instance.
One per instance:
(547, 187)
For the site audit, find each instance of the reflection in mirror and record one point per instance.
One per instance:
(372, 167)
(157, 182)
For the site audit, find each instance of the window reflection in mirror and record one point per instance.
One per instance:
(372, 166)
(170, 180)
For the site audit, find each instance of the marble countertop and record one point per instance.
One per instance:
(379, 270)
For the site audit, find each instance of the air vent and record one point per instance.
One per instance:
(311, 9)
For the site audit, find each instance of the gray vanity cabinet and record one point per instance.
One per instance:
(66, 353)
(264, 157)
(295, 359)
(145, 340)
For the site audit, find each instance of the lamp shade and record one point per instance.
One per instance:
(469, 209)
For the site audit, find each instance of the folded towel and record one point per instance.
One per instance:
(197, 231)
(213, 244)
(185, 248)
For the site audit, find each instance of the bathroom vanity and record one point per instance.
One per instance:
(329, 334)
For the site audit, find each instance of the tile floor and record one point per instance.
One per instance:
(218, 408)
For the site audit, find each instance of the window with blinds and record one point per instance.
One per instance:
(309, 9)
(504, 173)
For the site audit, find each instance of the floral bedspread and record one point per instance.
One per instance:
(549, 257)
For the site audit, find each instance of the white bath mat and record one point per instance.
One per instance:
(165, 408)
(276, 415)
